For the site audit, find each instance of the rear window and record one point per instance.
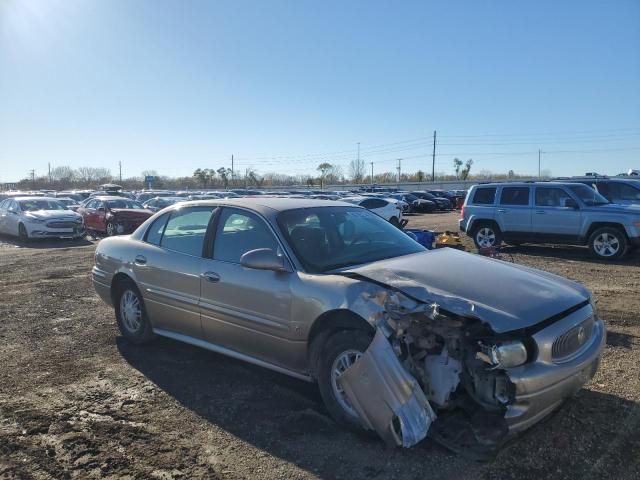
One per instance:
(484, 196)
(514, 196)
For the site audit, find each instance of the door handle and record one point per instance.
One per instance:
(540, 212)
(502, 210)
(141, 260)
(212, 277)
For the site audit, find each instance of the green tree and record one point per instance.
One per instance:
(464, 173)
(224, 173)
(204, 175)
(457, 163)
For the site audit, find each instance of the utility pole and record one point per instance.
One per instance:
(371, 173)
(49, 165)
(399, 168)
(433, 159)
(358, 170)
(232, 170)
(33, 177)
(120, 169)
(539, 153)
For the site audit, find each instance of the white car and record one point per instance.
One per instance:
(388, 208)
(39, 217)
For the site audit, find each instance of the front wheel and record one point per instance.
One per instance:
(111, 229)
(486, 235)
(23, 235)
(131, 315)
(341, 351)
(395, 222)
(608, 243)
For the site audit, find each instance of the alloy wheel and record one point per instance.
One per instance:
(131, 311)
(486, 237)
(606, 245)
(341, 363)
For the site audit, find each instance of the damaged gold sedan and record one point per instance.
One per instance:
(402, 341)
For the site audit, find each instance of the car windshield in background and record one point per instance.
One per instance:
(124, 204)
(329, 238)
(33, 205)
(588, 195)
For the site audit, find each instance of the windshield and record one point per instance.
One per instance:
(124, 203)
(588, 195)
(33, 205)
(328, 238)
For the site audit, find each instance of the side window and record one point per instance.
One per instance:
(379, 203)
(3, 204)
(514, 196)
(551, 197)
(368, 203)
(484, 196)
(627, 192)
(239, 232)
(186, 229)
(602, 188)
(155, 231)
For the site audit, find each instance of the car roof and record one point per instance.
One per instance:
(279, 204)
(18, 199)
(523, 184)
(110, 197)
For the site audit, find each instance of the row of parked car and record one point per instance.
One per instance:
(72, 214)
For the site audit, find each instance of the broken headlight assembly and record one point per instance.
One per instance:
(507, 354)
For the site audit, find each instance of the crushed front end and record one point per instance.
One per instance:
(477, 388)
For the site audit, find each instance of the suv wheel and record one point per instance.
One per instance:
(131, 315)
(341, 351)
(486, 235)
(608, 243)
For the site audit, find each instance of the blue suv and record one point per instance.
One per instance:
(549, 212)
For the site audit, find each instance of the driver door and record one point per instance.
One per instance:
(246, 310)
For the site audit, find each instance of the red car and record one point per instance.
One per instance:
(113, 215)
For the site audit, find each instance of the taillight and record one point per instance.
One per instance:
(462, 211)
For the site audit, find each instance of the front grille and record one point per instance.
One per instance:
(61, 224)
(572, 340)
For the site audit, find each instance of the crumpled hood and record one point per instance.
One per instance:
(506, 296)
(64, 215)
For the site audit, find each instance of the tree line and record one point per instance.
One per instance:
(65, 177)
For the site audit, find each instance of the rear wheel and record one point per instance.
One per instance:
(341, 351)
(608, 243)
(486, 235)
(23, 235)
(111, 229)
(131, 315)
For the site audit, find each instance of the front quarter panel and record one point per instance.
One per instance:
(111, 258)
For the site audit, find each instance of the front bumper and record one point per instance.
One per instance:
(543, 385)
(42, 231)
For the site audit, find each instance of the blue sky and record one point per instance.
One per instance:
(285, 85)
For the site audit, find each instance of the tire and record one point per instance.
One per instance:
(23, 235)
(135, 328)
(608, 243)
(395, 222)
(486, 235)
(111, 229)
(340, 344)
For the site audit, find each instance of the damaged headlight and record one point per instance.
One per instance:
(505, 354)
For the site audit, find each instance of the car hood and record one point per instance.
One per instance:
(505, 296)
(616, 208)
(52, 214)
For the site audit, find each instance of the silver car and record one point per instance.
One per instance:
(39, 217)
(401, 340)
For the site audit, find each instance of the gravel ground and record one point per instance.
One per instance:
(77, 401)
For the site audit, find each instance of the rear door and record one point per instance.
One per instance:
(167, 266)
(552, 219)
(514, 209)
(245, 310)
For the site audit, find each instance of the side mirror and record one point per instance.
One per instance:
(264, 259)
(571, 203)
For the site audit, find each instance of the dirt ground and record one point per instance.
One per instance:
(77, 401)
